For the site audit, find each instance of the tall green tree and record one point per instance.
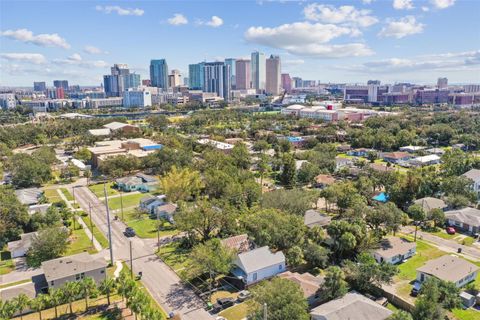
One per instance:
(49, 244)
(87, 287)
(71, 290)
(288, 174)
(418, 215)
(107, 287)
(181, 184)
(335, 285)
(22, 301)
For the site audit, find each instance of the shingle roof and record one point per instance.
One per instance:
(473, 174)
(258, 259)
(315, 218)
(24, 243)
(71, 265)
(325, 179)
(240, 243)
(352, 306)
(116, 125)
(470, 216)
(28, 196)
(393, 246)
(429, 203)
(397, 155)
(448, 268)
(308, 282)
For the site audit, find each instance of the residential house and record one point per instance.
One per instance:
(309, 284)
(314, 218)
(437, 151)
(412, 149)
(166, 211)
(466, 219)
(138, 182)
(429, 203)
(474, 175)
(344, 148)
(380, 167)
(324, 180)
(394, 250)
(74, 268)
(20, 247)
(361, 152)
(429, 160)
(449, 268)
(149, 203)
(239, 243)
(352, 306)
(258, 264)
(396, 157)
(341, 162)
(29, 196)
(123, 127)
(221, 146)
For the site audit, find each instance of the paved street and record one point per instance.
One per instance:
(469, 252)
(163, 284)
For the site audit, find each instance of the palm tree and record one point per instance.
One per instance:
(107, 286)
(71, 291)
(56, 297)
(125, 285)
(7, 309)
(87, 286)
(137, 302)
(39, 303)
(22, 302)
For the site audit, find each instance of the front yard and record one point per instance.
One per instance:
(6, 263)
(174, 256)
(129, 200)
(79, 242)
(98, 189)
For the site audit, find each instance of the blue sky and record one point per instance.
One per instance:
(331, 41)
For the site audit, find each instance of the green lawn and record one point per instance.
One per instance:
(469, 314)
(146, 227)
(237, 312)
(67, 194)
(98, 189)
(174, 256)
(425, 252)
(129, 200)
(6, 263)
(79, 243)
(97, 233)
(52, 195)
(467, 240)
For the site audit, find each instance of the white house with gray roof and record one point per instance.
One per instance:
(20, 247)
(352, 306)
(394, 250)
(258, 264)
(449, 268)
(430, 203)
(466, 219)
(74, 268)
(474, 175)
(29, 196)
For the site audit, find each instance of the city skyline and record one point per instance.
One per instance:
(331, 41)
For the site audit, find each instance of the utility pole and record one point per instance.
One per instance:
(108, 223)
(264, 311)
(91, 223)
(73, 189)
(74, 216)
(158, 231)
(121, 203)
(131, 259)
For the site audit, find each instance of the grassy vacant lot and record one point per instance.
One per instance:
(129, 200)
(80, 243)
(52, 195)
(237, 312)
(6, 263)
(146, 227)
(174, 256)
(97, 233)
(98, 189)
(67, 194)
(469, 314)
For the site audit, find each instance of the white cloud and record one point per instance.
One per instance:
(77, 60)
(214, 22)
(447, 61)
(120, 11)
(93, 50)
(43, 39)
(367, 1)
(425, 9)
(347, 15)
(403, 4)
(402, 27)
(442, 4)
(35, 58)
(293, 62)
(308, 39)
(177, 19)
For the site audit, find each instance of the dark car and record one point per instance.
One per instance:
(129, 232)
(415, 289)
(222, 303)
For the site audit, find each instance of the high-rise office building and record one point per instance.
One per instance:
(258, 71)
(196, 75)
(39, 86)
(131, 80)
(159, 73)
(186, 81)
(174, 79)
(119, 80)
(242, 74)
(231, 63)
(273, 72)
(217, 79)
(61, 84)
(297, 82)
(442, 83)
(286, 82)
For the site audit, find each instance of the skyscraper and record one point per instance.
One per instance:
(131, 80)
(258, 71)
(159, 73)
(174, 79)
(61, 84)
(196, 75)
(286, 82)
(119, 80)
(217, 79)
(273, 72)
(231, 63)
(39, 86)
(442, 83)
(242, 74)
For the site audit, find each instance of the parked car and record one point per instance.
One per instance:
(243, 295)
(222, 303)
(415, 289)
(129, 232)
(451, 230)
